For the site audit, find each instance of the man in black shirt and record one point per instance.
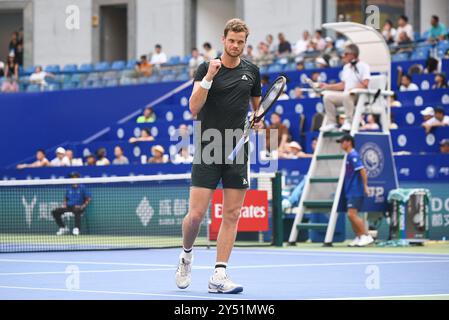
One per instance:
(223, 89)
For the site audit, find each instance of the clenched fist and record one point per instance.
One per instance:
(214, 67)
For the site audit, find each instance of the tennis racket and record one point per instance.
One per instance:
(268, 100)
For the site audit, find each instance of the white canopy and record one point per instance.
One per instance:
(373, 48)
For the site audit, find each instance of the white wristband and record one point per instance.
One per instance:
(206, 84)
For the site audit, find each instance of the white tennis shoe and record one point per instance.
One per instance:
(62, 231)
(365, 240)
(184, 273)
(223, 285)
(354, 242)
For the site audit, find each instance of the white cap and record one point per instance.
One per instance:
(157, 148)
(428, 112)
(329, 39)
(60, 150)
(321, 60)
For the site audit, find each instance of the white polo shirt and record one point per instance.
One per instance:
(158, 58)
(56, 162)
(354, 76)
(434, 120)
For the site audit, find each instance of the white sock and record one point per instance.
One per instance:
(187, 256)
(220, 270)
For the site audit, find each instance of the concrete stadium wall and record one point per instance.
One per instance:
(54, 43)
(431, 7)
(289, 16)
(161, 22)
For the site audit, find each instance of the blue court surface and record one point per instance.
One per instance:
(286, 274)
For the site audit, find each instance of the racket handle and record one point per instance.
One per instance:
(237, 148)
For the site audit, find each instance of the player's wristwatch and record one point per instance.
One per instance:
(206, 84)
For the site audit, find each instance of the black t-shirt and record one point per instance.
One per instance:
(285, 47)
(227, 102)
(228, 99)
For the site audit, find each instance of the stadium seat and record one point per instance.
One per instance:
(168, 78)
(131, 64)
(183, 77)
(403, 56)
(102, 66)
(421, 53)
(29, 70)
(174, 60)
(70, 68)
(118, 65)
(33, 88)
(86, 67)
(69, 85)
(186, 59)
(53, 68)
(275, 68)
(309, 65)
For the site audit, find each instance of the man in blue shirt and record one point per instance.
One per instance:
(354, 190)
(438, 30)
(76, 199)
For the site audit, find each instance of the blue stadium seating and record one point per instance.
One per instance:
(70, 68)
(131, 64)
(54, 68)
(102, 66)
(86, 67)
(118, 65)
(399, 57)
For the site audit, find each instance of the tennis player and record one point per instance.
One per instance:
(223, 89)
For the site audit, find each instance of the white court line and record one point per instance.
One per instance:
(182, 296)
(88, 262)
(344, 254)
(296, 265)
(389, 297)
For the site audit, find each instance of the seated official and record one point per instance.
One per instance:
(76, 200)
(356, 74)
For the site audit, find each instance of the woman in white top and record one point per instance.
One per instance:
(389, 32)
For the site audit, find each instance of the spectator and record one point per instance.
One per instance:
(183, 156)
(144, 67)
(283, 134)
(265, 80)
(294, 151)
(269, 40)
(76, 200)
(148, 116)
(313, 144)
(444, 146)
(19, 54)
(12, 47)
(2, 69)
(249, 53)
(431, 66)
(440, 81)
(12, 67)
(91, 160)
(321, 63)
(72, 161)
(340, 42)
(195, 62)
(284, 47)
(264, 56)
(301, 44)
(61, 159)
(319, 40)
(394, 102)
(101, 158)
(389, 32)
(158, 155)
(41, 161)
(404, 32)
(284, 96)
(209, 52)
(145, 136)
(372, 123)
(407, 84)
(120, 158)
(158, 57)
(329, 51)
(393, 124)
(39, 75)
(355, 74)
(298, 93)
(434, 118)
(437, 31)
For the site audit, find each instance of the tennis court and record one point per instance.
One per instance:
(304, 272)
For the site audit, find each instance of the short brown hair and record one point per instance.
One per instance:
(236, 25)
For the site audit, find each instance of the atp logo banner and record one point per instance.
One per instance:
(376, 152)
(253, 215)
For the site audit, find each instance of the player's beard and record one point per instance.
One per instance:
(233, 54)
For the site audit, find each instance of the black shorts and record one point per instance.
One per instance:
(232, 176)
